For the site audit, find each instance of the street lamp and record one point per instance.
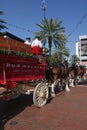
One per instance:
(44, 7)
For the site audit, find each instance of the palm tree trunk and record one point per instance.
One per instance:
(50, 44)
(50, 51)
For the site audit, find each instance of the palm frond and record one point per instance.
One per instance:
(53, 32)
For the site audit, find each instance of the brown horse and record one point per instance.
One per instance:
(72, 70)
(76, 74)
(80, 73)
(57, 76)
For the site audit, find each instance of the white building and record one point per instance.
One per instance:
(81, 49)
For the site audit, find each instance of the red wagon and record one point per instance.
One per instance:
(17, 72)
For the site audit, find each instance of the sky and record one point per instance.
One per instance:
(23, 15)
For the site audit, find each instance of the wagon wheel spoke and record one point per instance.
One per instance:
(40, 95)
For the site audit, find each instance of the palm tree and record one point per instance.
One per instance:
(74, 59)
(60, 54)
(2, 22)
(52, 32)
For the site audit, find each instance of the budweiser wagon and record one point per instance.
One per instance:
(19, 67)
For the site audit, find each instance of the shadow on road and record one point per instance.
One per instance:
(9, 109)
(83, 83)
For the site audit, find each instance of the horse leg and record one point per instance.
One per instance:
(60, 85)
(67, 86)
(80, 79)
(71, 81)
(52, 90)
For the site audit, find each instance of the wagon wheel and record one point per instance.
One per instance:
(40, 95)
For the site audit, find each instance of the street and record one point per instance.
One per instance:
(67, 111)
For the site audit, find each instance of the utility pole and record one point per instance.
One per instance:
(43, 7)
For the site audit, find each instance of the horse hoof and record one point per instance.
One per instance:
(67, 90)
(53, 95)
(73, 86)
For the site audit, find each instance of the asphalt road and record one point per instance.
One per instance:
(67, 111)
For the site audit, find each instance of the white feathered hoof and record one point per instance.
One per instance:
(53, 94)
(67, 89)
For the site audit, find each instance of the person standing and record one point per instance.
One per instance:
(36, 42)
(27, 41)
(37, 48)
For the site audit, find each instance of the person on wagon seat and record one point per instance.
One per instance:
(27, 41)
(37, 51)
(37, 42)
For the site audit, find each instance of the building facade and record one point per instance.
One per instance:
(81, 49)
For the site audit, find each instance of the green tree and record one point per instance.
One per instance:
(74, 59)
(60, 54)
(2, 22)
(52, 32)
